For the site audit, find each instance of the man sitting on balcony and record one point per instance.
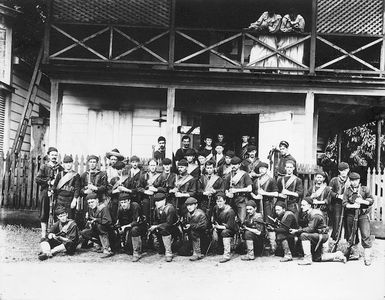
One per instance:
(292, 23)
(268, 24)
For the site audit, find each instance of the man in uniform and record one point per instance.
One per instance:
(66, 188)
(284, 157)
(160, 154)
(224, 225)
(290, 188)
(147, 187)
(165, 223)
(196, 225)
(253, 230)
(221, 139)
(201, 162)
(286, 221)
(357, 197)
(114, 188)
(130, 224)
(166, 180)
(207, 150)
(185, 186)
(113, 156)
(320, 193)
(46, 178)
(193, 167)
(208, 185)
(99, 225)
(264, 192)
(181, 152)
(132, 182)
(225, 169)
(238, 186)
(249, 164)
(219, 157)
(242, 152)
(338, 185)
(63, 236)
(314, 235)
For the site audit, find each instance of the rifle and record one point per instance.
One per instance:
(352, 238)
(278, 223)
(52, 203)
(334, 249)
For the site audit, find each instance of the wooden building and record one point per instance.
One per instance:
(124, 72)
(15, 76)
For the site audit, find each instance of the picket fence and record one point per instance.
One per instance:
(376, 184)
(17, 185)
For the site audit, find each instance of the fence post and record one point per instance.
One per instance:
(29, 174)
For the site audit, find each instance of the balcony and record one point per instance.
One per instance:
(340, 39)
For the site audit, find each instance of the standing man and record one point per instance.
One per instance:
(130, 224)
(265, 190)
(185, 187)
(165, 223)
(166, 180)
(221, 139)
(286, 221)
(284, 157)
(181, 152)
(357, 199)
(219, 157)
(160, 154)
(196, 226)
(114, 188)
(224, 225)
(208, 186)
(249, 164)
(338, 186)
(238, 186)
(242, 152)
(193, 167)
(147, 188)
(320, 193)
(113, 156)
(46, 178)
(63, 236)
(225, 169)
(253, 230)
(207, 150)
(314, 235)
(132, 182)
(67, 188)
(290, 188)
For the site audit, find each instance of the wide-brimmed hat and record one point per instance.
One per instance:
(115, 152)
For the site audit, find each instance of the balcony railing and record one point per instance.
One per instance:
(214, 49)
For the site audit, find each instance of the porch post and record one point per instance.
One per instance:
(378, 144)
(339, 146)
(53, 120)
(309, 151)
(170, 121)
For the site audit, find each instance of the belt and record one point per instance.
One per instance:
(241, 194)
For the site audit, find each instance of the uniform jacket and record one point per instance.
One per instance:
(225, 216)
(197, 220)
(130, 216)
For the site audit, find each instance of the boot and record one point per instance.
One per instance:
(307, 260)
(250, 251)
(367, 256)
(58, 249)
(136, 247)
(167, 246)
(354, 254)
(106, 246)
(287, 253)
(226, 250)
(273, 243)
(197, 255)
(337, 257)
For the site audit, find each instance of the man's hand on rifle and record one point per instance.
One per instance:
(229, 194)
(152, 189)
(220, 227)
(152, 228)
(293, 231)
(270, 227)
(73, 203)
(173, 191)
(186, 226)
(340, 196)
(148, 192)
(51, 236)
(353, 205)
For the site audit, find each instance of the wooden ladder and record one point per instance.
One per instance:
(28, 107)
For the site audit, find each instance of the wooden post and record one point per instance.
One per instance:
(339, 146)
(47, 31)
(309, 155)
(171, 50)
(378, 145)
(170, 121)
(313, 38)
(53, 120)
(382, 54)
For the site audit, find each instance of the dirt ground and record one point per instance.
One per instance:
(86, 276)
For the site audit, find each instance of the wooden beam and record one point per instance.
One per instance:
(170, 121)
(313, 39)
(351, 100)
(378, 144)
(171, 50)
(339, 146)
(309, 155)
(53, 120)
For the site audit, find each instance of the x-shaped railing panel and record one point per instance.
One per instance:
(350, 54)
(277, 51)
(208, 48)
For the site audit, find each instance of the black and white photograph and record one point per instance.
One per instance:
(192, 149)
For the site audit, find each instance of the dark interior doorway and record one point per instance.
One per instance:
(233, 126)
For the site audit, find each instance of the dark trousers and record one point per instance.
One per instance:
(70, 246)
(335, 214)
(113, 207)
(239, 206)
(97, 231)
(148, 206)
(268, 210)
(180, 206)
(314, 240)
(44, 205)
(364, 227)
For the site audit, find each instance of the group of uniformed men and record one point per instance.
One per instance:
(214, 196)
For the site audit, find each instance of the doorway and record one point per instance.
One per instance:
(232, 126)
